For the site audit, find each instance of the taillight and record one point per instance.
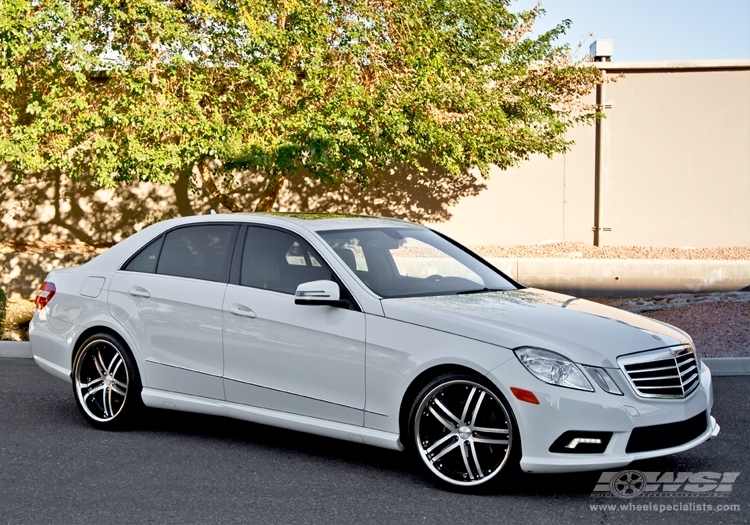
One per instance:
(45, 293)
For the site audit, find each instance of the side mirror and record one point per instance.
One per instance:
(316, 293)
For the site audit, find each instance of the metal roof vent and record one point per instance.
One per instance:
(602, 50)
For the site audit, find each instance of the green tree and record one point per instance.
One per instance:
(145, 89)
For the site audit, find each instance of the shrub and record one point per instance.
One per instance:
(3, 300)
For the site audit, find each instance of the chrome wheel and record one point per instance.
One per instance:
(463, 432)
(101, 380)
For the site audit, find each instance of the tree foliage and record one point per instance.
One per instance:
(145, 89)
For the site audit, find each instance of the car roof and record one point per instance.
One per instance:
(333, 221)
(314, 222)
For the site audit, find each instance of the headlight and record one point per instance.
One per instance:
(603, 379)
(553, 368)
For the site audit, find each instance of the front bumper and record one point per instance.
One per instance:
(564, 409)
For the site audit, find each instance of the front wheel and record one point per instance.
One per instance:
(463, 431)
(106, 382)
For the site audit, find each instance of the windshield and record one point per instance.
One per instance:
(410, 262)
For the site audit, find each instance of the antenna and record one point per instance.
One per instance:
(213, 211)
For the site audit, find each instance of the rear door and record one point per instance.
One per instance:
(169, 298)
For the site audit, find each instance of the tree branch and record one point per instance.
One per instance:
(269, 195)
(206, 174)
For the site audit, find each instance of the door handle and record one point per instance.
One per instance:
(241, 310)
(137, 291)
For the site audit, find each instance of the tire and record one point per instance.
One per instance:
(464, 433)
(106, 382)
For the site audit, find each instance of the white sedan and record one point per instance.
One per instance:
(372, 330)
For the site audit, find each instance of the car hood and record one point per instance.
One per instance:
(585, 332)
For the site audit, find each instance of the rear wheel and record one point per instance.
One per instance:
(464, 432)
(106, 382)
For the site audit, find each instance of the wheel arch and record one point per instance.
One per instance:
(91, 330)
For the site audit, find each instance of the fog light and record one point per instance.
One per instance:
(581, 442)
(574, 443)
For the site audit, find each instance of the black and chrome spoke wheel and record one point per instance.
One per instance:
(105, 381)
(463, 431)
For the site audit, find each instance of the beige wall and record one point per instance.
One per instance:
(675, 168)
(544, 199)
(677, 157)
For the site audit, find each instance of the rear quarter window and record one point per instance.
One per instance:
(145, 260)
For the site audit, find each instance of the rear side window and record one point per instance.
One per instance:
(199, 252)
(278, 261)
(145, 261)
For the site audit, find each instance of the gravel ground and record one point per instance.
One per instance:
(719, 323)
(718, 329)
(568, 250)
(581, 250)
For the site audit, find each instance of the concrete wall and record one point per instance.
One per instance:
(675, 168)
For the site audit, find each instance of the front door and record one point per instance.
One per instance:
(307, 360)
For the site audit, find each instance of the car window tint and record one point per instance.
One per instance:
(145, 261)
(198, 252)
(278, 261)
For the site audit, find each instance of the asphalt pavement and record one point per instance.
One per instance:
(185, 468)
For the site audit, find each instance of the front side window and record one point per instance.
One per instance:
(410, 262)
(198, 252)
(278, 261)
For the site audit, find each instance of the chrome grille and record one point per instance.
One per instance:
(665, 373)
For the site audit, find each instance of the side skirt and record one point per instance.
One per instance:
(187, 403)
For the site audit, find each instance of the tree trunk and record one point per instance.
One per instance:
(268, 197)
(206, 174)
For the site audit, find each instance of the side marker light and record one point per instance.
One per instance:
(524, 395)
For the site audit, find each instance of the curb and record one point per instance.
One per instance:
(626, 277)
(15, 349)
(728, 366)
(720, 366)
